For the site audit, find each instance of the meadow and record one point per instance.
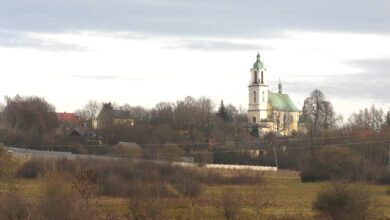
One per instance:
(127, 190)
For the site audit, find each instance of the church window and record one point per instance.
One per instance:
(262, 77)
(255, 78)
(254, 96)
(291, 119)
(263, 96)
(284, 119)
(254, 119)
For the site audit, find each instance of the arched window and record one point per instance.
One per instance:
(255, 78)
(262, 77)
(263, 98)
(254, 97)
(254, 119)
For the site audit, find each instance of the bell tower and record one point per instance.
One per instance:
(258, 93)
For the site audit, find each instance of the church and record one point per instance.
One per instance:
(271, 112)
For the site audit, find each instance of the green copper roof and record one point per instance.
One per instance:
(281, 102)
(258, 64)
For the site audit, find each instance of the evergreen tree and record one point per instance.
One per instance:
(388, 118)
(222, 112)
(255, 131)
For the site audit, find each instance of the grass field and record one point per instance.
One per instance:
(286, 196)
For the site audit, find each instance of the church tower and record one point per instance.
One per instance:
(258, 93)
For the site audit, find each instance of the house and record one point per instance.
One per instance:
(270, 111)
(67, 123)
(117, 117)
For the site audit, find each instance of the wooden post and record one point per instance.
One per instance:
(389, 156)
(276, 159)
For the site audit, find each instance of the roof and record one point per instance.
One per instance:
(120, 114)
(281, 102)
(66, 117)
(258, 64)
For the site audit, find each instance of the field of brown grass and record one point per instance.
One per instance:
(283, 196)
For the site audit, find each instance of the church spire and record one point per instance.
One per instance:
(280, 87)
(258, 64)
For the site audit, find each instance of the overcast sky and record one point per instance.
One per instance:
(142, 52)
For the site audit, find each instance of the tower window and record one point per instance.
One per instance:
(263, 98)
(254, 119)
(262, 77)
(255, 77)
(254, 96)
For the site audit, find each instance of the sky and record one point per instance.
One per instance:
(142, 52)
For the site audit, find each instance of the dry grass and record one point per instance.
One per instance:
(289, 198)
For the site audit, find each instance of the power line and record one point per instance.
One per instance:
(204, 143)
(277, 149)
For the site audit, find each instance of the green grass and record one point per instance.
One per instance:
(288, 197)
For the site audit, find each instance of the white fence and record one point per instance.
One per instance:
(226, 166)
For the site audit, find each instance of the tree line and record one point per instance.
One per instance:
(194, 127)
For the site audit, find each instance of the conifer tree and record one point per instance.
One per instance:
(388, 118)
(255, 131)
(222, 112)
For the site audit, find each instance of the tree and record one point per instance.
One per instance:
(388, 118)
(31, 117)
(222, 113)
(255, 131)
(205, 116)
(92, 108)
(318, 112)
(372, 118)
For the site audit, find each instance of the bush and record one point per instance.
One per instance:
(6, 165)
(31, 168)
(59, 200)
(186, 183)
(231, 208)
(332, 163)
(12, 207)
(345, 202)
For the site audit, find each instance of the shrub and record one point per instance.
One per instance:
(59, 200)
(260, 199)
(6, 165)
(345, 202)
(143, 203)
(230, 206)
(186, 183)
(12, 207)
(31, 168)
(332, 163)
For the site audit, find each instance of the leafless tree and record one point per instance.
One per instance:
(93, 108)
(206, 116)
(372, 118)
(319, 112)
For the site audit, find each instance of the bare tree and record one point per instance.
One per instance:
(319, 112)
(372, 118)
(93, 108)
(206, 116)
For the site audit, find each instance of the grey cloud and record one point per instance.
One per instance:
(197, 17)
(373, 83)
(17, 39)
(218, 45)
(106, 77)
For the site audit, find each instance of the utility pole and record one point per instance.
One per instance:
(389, 155)
(276, 159)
